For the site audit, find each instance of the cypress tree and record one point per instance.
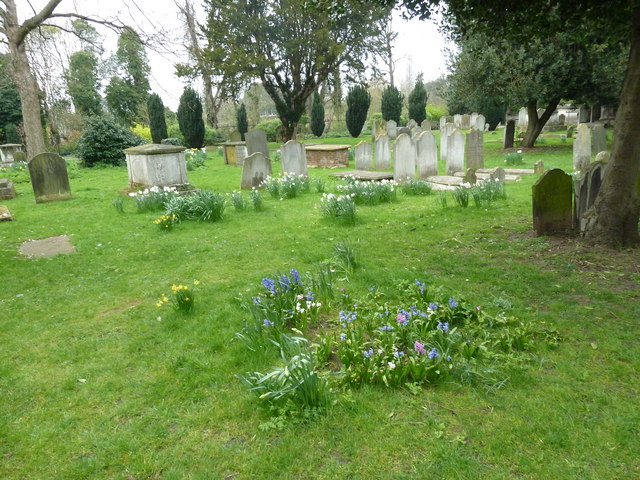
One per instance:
(317, 115)
(358, 100)
(392, 104)
(190, 118)
(157, 122)
(418, 101)
(241, 117)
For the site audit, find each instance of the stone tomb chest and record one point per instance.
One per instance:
(154, 164)
(327, 156)
(6, 153)
(234, 153)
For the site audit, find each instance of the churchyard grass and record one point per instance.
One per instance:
(98, 382)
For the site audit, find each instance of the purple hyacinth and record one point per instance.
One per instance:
(443, 326)
(295, 275)
(452, 303)
(269, 284)
(433, 353)
(419, 347)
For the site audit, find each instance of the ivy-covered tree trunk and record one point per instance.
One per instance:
(613, 219)
(535, 123)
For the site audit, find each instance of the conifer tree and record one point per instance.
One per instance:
(241, 118)
(418, 101)
(317, 115)
(157, 122)
(392, 104)
(190, 118)
(358, 100)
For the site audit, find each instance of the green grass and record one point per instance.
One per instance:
(98, 382)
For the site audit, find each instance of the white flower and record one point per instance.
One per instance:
(391, 365)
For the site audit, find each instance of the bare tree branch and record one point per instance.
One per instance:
(36, 20)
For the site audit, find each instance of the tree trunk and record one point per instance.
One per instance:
(535, 124)
(613, 219)
(209, 101)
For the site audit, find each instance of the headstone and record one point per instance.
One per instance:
(498, 174)
(582, 148)
(7, 152)
(455, 152)
(156, 165)
(49, 178)
(443, 122)
(7, 190)
(465, 122)
(404, 164)
(470, 177)
(583, 114)
(444, 133)
(426, 125)
(522, 118)
(487, 127)
(19, 157)
(509, 133)
(603, 157)
(480, 123)
(552, 203)
(598, 139)
(255, 169)
(570, 130)
(411, 124)
(294, 158)
(538, 167)
(404, 130)
(256, 141)
(382, 158)
(5, 214)
(473, 119)
(364, 155)
(235, 136)
(561, 119)
(426, 155)
(415, 131)
(585, 191)
(379, 127)
(540, 112)
(475, 149)
(457, 121)
(392, 129)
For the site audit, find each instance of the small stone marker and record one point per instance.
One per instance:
(470, 176)
(383, 153)
(364, 155)
(455, 152)
(570, 130)
(538, 167)
(7, 190)
(552, 203)
(561, 119)
(256, 141)
(19, 157)
(444, 133)
(156, 164)
(582, 148)
(509, 133)
(294, 158)
(475, 149)
(598, 139)
(49, 178)
(392, 129)
(426, 155)
(404, 164)
(5, 214)
(255, 169)
(47, 247)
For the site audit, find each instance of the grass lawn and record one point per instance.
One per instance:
(96, 381)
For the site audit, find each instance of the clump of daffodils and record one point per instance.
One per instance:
(182, 298)
(166, 222)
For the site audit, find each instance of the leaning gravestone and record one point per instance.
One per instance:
(404, 164)
(255, 169)
(444, 133)
(363, 153)
(475, 149)
(598, 139)
(552, 203)
(509, 133)
(455, 152)
(582, 148)
(392, 129)
(294, 158)
(378, 128)
(415, 131)
(426, 155)
(256, 141)
(382, 159)
(49, 178)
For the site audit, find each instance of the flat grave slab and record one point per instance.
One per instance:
(365, 175)
(47, 247)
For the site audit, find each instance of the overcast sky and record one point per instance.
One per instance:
(418, 48)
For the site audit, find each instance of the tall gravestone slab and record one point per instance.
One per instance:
(426, 125)
(457, 121)
(598, 139)
(49, 178)
(480, 123)
(392, 129)
(473, 119)
(455, 152)
(255, 169)
(585, 191)
(582, 148)
(552, 203)
(509, 134)
(363, 153)
(294, 158)
(444, 133)
(443, 122)
(583, 114)
(155, 164)
(404, 163)
(256, 141)
(523, 118)
(378, 128)
(465, 122)
(475, 149)
(426, 155)
(382, 158)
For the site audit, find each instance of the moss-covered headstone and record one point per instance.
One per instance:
(49, 178)
(552, 211)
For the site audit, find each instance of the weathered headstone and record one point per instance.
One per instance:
(156, 164)
(552, 203)
(457, 121)
(455, 152)
(480, 123)
(404, 164)
(379, 127)
(255, 169)
(426, 124)
(392, 129)
(561, 119)
(582, 148)
(498, 174)
(585, 191)
(473, 119)
(509, 133)
(411, 124)
(523, 118)
(256, 141)
(7, 152)
(475, 149)
(465, 122)
(603, 157)
(19, 157)
(470, 176)
(49, 178)
(383, 153)
(7, 190)
(538, 167)
(364, 155)
(598, 139)
(235, 136)
(444, 134)
(404, 130)
(426, 155)
(583, 114)
(570, 130)
(5, 214)
(294, 158)
(442, 122)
